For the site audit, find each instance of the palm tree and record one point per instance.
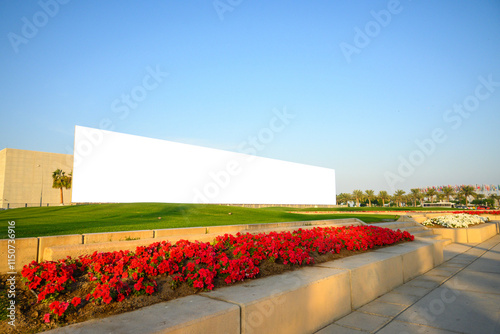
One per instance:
(430, 193)
(479, 199)
(60, 181)
(398, 196)
(415, 195)
(370, 194)
(406, 199)
(358, 195)
(460, 197)
(467, 191)
(343, 197)
(448, 192)
(383, 196)
(495, 198)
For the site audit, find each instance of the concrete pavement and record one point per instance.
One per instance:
(462, 295)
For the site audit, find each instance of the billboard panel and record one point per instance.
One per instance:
(120, 168)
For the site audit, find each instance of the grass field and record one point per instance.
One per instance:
(78, 219)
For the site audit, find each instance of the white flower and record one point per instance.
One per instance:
(456, 221)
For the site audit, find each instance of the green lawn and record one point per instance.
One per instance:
(78, 219)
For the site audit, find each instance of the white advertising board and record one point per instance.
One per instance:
(111, 167)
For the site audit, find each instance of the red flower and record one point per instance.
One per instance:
(150, 289)
(191, 266)
(138, 286)
(58, 308)
(76, 301)
(46, 317)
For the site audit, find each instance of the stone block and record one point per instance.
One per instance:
(91, 238)
(60, 252)
(473, 234)
(458, 235)
(372, 275)
(480, 233)
(191, 314)
(25, 252)
(228, 229)
(291, 224)
(302, 301)
(417, 257)
(58, 240)
(190, 237)
(179, 231)
(253, 227)
(437, 250)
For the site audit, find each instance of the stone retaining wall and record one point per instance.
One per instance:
(473, 234)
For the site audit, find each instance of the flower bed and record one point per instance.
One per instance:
(66, 288)
(476, 212)
(461, 220)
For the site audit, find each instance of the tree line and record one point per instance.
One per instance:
(401, 198)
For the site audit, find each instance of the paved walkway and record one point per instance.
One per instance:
(460, 296)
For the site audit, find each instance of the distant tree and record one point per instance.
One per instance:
(495, 198)
(459, 197)
(430, 193)
(383, 196)
(398, 196)
(415, 195)
(448, 192)
(370, 195)
(466, 192)
(489, 202)
(358, 196)
(406, 199)
(60, 180)
(343, 197)
(479, 199)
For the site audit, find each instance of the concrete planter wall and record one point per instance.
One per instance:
(301, 301)
(473, 234)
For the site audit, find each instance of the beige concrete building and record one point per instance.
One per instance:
(26, 178)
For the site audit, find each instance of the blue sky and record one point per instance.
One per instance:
(374, 89)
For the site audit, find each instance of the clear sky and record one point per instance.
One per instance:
(390, 94)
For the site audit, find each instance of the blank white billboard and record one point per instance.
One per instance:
(121, 168)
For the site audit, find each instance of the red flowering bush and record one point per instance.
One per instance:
(232, 258)
(476, 212)
(49, 278)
